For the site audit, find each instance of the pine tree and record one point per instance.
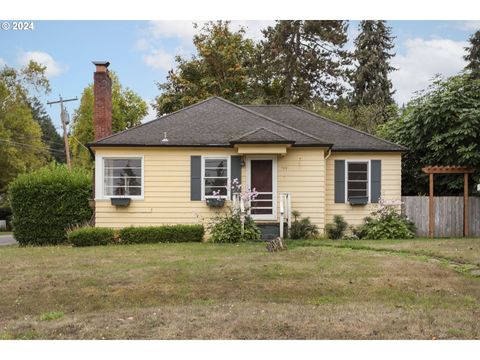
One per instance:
(50, 136)
(473, 55)
(371, 85)
(304, 60)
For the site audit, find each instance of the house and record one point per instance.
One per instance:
(166, 169)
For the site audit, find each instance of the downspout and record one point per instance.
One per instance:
(92, 200)
(328, 153)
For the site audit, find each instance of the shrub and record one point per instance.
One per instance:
(387, 223)
(227, 228)
(48, 201)
(162, 234)
(91, 236)
(336, 229)
(303, 228)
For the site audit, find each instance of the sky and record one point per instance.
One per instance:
(142, 52)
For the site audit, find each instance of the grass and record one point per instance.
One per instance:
(5, 233)
(386, 290)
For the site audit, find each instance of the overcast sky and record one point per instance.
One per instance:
(142, 52)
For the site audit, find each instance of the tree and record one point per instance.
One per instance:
(473, 56)
(21, 146)
(440, 127)
(303, 60)
(128, 110)
(372, 89)
(363, 117)
(221, 67)
(50, 137)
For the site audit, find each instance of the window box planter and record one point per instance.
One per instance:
(360, 200)
(123, 201)
(218, 203)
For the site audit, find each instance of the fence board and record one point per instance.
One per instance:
(448, 215)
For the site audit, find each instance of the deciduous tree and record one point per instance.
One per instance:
(128, 110)
(440, 127)
(222, 67)
(21, 146)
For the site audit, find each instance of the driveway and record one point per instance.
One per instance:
(7, 240)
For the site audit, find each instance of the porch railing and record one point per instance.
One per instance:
(285, 212)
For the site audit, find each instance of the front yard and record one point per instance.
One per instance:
(420, 289)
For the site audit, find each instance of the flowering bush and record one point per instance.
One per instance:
(386, 223)
(235, 225)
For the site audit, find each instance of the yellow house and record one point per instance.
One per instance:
(167, 170)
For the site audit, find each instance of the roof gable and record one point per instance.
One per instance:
(260, 135)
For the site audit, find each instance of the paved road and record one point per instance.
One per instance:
(7, 240)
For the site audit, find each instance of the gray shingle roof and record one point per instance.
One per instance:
(218, 122)
(343, 137)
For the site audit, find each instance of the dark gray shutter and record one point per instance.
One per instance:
(375, 180)
(236, 168)
(196, 178)
(339, 181)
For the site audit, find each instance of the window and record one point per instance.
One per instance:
(122, 177)
(216, 176)
(357, 179)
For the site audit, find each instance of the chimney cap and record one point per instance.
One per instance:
(101, 63)
(101, 66)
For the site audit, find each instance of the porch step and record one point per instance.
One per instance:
(270, 230)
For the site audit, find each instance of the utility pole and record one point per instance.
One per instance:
(65, 121)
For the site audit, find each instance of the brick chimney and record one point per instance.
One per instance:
(102, 100)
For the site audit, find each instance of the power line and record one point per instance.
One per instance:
(16, 143)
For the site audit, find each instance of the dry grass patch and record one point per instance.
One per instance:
(231, 291)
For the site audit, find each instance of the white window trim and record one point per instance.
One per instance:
(228, 157)
(100, 172)
(368, 161)
(273, 216)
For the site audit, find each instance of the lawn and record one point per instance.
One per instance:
(412, 289)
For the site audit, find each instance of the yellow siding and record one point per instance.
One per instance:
(391, 184)
(302, 173)
(167, 186)
(167, 189)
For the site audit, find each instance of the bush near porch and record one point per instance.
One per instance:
(46, 202)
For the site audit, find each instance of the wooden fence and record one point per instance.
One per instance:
(448, 215)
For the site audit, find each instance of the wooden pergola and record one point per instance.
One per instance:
(431, 170)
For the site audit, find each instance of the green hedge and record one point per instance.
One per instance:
(157, 234)
(48, 201)
(91, 236)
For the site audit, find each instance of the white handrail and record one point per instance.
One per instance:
(285, 211)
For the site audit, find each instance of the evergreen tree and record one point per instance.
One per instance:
(371, 85)
(473, 56)
(50, 136)
(304, 59)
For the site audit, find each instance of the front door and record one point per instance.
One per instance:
(261, 176)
